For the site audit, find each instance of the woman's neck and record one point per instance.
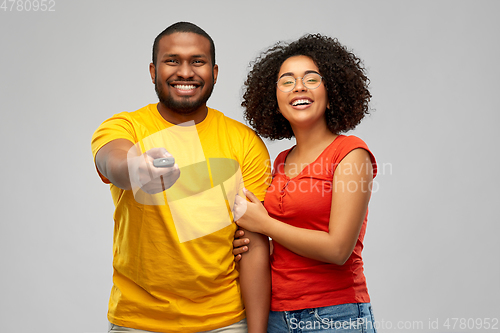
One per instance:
(312, 140)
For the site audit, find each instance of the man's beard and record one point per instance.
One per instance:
(183, 105)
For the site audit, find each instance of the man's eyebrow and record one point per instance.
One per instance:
(169, 55)
(174, 55)
(291, 73)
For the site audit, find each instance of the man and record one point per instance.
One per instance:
(173, 266)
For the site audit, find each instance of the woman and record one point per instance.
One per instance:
(316, 208)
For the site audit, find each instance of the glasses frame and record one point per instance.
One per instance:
(302, 79)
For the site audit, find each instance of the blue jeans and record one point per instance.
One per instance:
(344, 318)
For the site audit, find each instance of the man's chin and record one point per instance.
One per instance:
(182, 107)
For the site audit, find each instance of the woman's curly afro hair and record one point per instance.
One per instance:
(343, 76)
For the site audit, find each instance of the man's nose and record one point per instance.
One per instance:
(185, 70)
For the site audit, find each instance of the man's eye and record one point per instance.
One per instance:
(170, 61)
(198, 62)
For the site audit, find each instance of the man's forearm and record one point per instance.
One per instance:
(111, 160)
(116, 169)
(255, 279)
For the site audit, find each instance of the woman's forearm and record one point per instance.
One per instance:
(314, 244)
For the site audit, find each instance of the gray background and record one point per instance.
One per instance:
(432, 244)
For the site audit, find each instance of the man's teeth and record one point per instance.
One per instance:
(301, 101)
(184, 87)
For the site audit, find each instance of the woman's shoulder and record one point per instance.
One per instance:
(280, 159)
(350, 141)
(344, 144)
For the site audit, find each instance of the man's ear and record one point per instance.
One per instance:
(152, 71)
(215, 72)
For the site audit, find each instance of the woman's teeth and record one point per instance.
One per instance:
(301, 101)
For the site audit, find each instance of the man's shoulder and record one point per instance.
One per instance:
(232, 124)
(139, 113)
(137, 118)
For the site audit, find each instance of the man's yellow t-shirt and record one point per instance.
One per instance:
(173, 266)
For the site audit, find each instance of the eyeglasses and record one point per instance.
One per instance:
(310, 81)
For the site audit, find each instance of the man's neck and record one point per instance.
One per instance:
(176, 118)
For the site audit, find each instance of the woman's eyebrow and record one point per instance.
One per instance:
(286, 74)
(291, 73)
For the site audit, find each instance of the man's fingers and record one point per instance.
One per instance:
(169, 176)
(240, 242)
(170, 173)
(239, 233)
(158, 153)
(240, 250)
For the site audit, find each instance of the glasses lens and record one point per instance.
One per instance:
(312, 80)
(286, 83)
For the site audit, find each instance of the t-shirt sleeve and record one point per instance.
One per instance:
(117, 127)
(348, 144)
(257, 167)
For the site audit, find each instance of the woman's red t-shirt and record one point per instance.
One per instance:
(305, 202)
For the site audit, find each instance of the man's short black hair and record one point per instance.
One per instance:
(183, 27)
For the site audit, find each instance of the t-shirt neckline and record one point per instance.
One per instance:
(200, 126)
(282, 165)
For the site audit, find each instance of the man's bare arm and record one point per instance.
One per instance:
(111, 160)
(255, 279)
(119, 159)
